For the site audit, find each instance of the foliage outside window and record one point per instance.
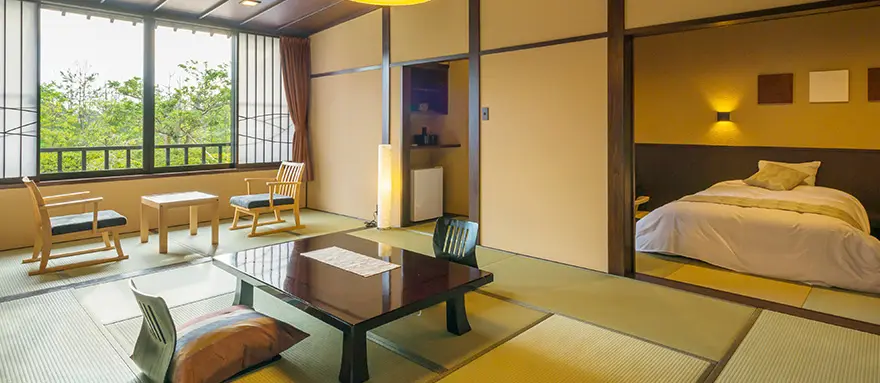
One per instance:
(91, 94)
(193, 97)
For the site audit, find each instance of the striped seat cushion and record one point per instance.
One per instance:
(217, 346)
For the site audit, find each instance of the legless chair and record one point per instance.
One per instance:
(50, 230)
(158, 337)
(284, 192)
(455, 240)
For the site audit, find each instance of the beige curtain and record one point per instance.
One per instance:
(296, 66)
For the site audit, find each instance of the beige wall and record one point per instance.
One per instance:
(640, 13)
(354, 44)
(346, 130)
(544, 153)
(682, 79)
(434, 29)
(122, 196)
(513, 22)
(455, 160)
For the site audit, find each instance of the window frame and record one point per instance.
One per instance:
(148, 144)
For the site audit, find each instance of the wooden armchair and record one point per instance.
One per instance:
(53, 229)
(283, 194)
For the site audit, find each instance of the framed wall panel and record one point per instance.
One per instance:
(503, 21)
(354, 44)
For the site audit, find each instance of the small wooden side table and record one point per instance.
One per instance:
(164, 202)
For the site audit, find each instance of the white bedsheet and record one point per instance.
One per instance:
(810, 248)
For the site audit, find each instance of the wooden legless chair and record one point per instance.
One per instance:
(284, 192)
(53, 229)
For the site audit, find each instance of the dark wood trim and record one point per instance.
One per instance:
(262, 12)
(474, 105)
(461, 56)
(164, 15)
(548, 43)
(763, 304)
(799, 10)
(621, 146)
(386, 75)
(335, 23)
(347, 71)
(406, 139)
(804, 149)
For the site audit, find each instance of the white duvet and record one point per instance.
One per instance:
(810, 248)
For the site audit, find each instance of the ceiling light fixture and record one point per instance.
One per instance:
(249, 3)
(391, 3)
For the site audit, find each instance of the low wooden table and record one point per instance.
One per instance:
(164, 202)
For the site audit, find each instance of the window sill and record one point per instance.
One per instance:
(140, 176)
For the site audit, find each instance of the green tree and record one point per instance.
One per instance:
(79, 112)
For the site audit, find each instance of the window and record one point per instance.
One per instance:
(18, 89)
(193, 97)
(81, 95)
(91, 92)
(265, 131)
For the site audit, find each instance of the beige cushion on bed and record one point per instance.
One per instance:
(811, 168)
(776, 177)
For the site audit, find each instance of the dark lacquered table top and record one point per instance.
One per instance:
(346, 296)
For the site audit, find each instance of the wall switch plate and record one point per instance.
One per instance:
(485, 114)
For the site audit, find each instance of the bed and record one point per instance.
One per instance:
(818, 249)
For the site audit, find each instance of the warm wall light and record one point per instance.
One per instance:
(383, 219)
(391, 2)
(249, 3)
(723, 116)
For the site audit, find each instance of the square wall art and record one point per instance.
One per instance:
(829, 86)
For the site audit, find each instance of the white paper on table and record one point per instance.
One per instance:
(350, 261)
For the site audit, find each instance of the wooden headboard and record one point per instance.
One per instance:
(668, 172)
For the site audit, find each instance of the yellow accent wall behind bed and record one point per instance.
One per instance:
(682, 79)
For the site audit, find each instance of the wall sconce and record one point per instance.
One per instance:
(383, 209)
(723, 116)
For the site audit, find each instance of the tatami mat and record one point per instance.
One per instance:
(656, 265)
(425, 334)
(783, 348)
(113, 302)
(859, 306)
(422, 243)
(181, 248)
(317, 359)
(427, 227)
(563, 350)
(50, 338)
(792, 294)
(689, 322)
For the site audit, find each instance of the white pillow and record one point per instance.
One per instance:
(811, 168)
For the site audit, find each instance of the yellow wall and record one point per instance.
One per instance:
(396, 149)
(640, 13)
(682, 79)
(434, 29)
(346, 129)
(122, 196)
(354, 44)
(513, 22)
(544, 153)
(455, 160)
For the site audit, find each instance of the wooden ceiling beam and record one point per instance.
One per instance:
(263, 12)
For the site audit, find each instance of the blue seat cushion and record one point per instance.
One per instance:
(254, 201)
(75, 223)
